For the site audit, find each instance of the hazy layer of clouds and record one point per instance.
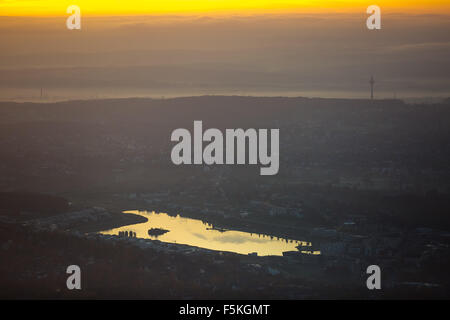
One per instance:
(273, 54)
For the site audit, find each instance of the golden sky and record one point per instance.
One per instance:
(143, 7)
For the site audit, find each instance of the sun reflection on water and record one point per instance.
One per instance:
(204, 235)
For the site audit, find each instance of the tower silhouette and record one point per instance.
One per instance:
(372, 82)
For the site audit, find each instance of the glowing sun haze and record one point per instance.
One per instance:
(143, 7)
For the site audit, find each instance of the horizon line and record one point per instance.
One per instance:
(36, 101)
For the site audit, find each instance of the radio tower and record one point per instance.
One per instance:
(372, 82)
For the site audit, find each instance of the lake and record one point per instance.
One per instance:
(197, 233)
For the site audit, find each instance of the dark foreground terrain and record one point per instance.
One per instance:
(35, 264)
(367, 182)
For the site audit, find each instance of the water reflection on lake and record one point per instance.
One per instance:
(200, 234)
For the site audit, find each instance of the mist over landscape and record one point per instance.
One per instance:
(314, 55)
(88, 180)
